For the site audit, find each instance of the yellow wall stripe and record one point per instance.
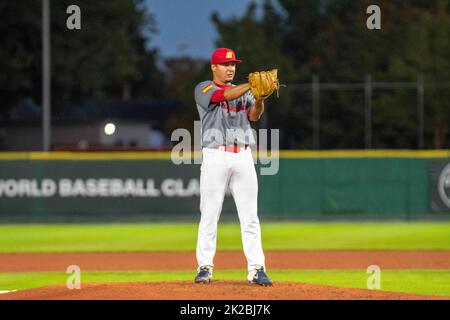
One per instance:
(166, 155)
(366, 154)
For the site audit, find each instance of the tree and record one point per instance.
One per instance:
(183, 74)
(427, 54)
(109, 58)
(21, 43)
(258, 42)
(330, 39)
(414, 41)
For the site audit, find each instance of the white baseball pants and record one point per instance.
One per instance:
(220, 170)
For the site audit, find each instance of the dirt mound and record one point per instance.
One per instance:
(217, 290)
(321, 259)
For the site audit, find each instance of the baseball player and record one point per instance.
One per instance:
(225, 111)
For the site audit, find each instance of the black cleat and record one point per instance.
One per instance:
(259, 277)
(204, 275)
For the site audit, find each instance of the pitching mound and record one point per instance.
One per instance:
(217, 290)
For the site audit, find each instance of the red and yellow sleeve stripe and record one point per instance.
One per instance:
(207, 88)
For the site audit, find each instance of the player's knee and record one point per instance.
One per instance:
(250, 225)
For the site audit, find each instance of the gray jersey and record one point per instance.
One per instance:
(223, 123)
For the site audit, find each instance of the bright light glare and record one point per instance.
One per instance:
(110, 128)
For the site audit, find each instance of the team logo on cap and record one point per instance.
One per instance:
(229, 55)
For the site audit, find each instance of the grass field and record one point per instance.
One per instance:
(276, 236)
(176, 237)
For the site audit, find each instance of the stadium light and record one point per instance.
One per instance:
(110, 128)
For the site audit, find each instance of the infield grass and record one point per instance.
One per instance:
(430, 282)
(183, 236)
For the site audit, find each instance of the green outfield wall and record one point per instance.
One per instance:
(320, 185)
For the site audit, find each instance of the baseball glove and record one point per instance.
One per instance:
(264, 83)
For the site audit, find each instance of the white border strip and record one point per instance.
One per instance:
(7, 291)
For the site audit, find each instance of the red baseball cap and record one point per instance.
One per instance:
(222, 55)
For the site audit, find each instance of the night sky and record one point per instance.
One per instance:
(185, 27)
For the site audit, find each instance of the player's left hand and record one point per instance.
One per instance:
(263, 83)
